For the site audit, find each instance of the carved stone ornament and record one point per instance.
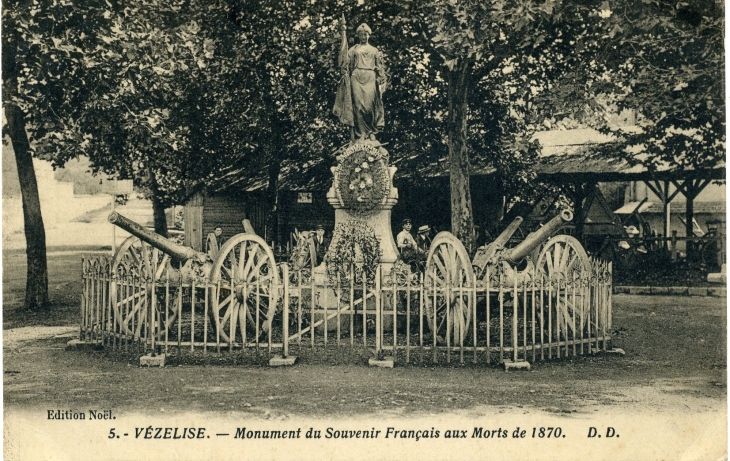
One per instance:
(362, 181)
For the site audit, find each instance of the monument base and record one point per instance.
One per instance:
(379, 220)
(380, 223)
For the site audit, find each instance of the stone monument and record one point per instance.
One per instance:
(362, 189)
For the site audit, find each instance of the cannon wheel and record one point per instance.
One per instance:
(137, 260)
(449, 270)
(133, 252)
(563, 256)
(563, 262)
(248, 279)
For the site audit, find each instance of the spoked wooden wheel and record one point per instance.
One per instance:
(249, 281)
(136, 266)
(564, 265)
(449, 279)
(134, 254)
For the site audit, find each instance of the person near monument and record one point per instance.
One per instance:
(423, 239)
(321, 244)
(213, 242)
(358, 102)
(406, 243)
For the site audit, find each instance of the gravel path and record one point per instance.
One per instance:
(13, 337)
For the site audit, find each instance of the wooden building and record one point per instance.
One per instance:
(205, 210)
(572, 159)
(228, 200)
(303, 208)
(594, 181)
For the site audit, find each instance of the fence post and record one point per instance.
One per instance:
(285, 313)
(515, 310)
(673, 244)
(378, 314)
(153, 306)
(84, 282)
(721, 245)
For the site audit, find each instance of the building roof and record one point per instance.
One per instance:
(676, 207)
(566, 142)
(630, 207)
(587, 154)
(292, 177)
(582, 154)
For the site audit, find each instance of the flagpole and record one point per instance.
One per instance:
(344, 61)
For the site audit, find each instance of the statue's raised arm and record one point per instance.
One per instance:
(359, 102)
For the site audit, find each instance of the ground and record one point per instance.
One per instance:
(675, 364)
(669, 388)
(675, 357)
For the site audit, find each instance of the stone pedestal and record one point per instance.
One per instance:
(373, 178)
(386, 362)
(719, 277)
(283, 361)
(379, 221)
(150, 360)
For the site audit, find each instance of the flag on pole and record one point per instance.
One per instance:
(343, 98)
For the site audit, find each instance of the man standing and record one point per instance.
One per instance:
(423, 239)
(321, 244)
(406, 244)
(214, 242)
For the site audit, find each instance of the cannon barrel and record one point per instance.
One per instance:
(506, 234)
(486, 254)
(177, 252)
(534, 240)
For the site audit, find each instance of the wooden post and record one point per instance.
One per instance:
(673, 245)
(193, 288)
(667, 212)
(690, 195)
(515, 308)
(151, 289)
(114, 228)
(285, 313)
(721, 245)
(378, 314)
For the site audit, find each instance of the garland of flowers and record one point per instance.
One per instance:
(363, 181)
(341, 256)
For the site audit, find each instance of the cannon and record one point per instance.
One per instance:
(451, 274)
(149, 252)
(495, 253)
(243, 280)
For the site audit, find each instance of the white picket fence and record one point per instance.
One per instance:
(528, 318)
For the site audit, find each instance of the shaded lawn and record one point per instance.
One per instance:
(64, 290)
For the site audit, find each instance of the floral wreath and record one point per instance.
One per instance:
(342, 255)
(362, 179)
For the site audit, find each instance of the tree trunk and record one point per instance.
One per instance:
(158, 213)
(462, 217)
(272, 222)
(36, 288)
(158, 208)
(579, 216)
(689, 219)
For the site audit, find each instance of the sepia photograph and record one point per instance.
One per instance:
(364, 229)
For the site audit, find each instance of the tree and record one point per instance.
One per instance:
(288, 50)
(36, 288)
(71, 73)
(155, 120)
(16, 39)
(479, 43)
(667, 63)
(664, 61)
